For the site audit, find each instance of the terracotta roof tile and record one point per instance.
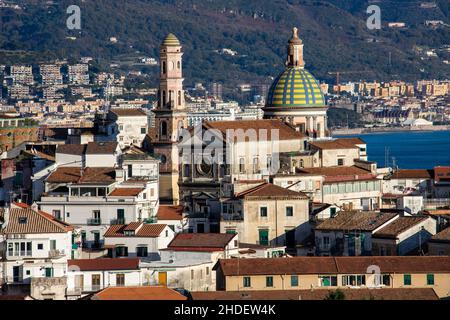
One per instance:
(128, 112)
(356, 220)
(342, 143)
(126, 192)
(138, 293)
(104, 264)
(89, 175)
(197, 241)
(321, 294)
(169, 212)
(74, 149)
(399, 225)
(149, 230)
(269, 190)
(413, 174)
(101, 147)
(284, 131)
(26, 220)
(443, 236)
(334, 265)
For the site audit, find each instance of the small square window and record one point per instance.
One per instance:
(40, 246)
(294, 281)
(263, 211)
(28, 272)
(430, 279)
(407, 279)
(289, 211)
(269, 281)
(340, 162)
(246, 282)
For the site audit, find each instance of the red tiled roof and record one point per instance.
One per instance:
(443, 236)
(356, 220)
(74, 149)
(412, 174)
(145, 231)
(169, 212)
(79, 175)
(138, 293)
(106, 147)
(334, 265)
(262, 128)
(441, 174)
(126, 192)
(104, 264)
(342, 143)
(25, 220)
(128, 112)
(269, 190)
(199, 241)
(399, 225)
(320, 294)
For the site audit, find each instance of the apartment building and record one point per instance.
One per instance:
(78, 74)
(128, 125)
(334, 272)
(267, 215)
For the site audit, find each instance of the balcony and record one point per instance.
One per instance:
(94, 222)
(55, 253)
(117, 221)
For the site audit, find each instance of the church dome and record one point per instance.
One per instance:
(171, 40)
(295, 87)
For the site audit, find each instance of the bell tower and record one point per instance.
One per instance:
(170, 118)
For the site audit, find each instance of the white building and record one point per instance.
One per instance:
(189, 259)
(37, 245)
(129, 126)
(138, 239)
(85, 276)
(95, 198)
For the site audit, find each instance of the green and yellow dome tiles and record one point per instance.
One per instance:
(295, 87)
(171, 40)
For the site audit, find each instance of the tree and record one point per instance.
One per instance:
(335, 295)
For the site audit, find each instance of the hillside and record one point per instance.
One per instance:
(334, 33)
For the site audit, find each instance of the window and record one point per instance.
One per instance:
(294, 281)
(48, 272)
(255, 165)
(52, 244)
(241, 165)
(122, 251)
(192, 274)
(68, 214)
(328, 281)
(143, 130)
(430, 279)
(57, 214)
(247, 283)
(289, 211)
(95, 282)
(407, 279)
(142, 251)
(163, 129)
(167, 233)
(269, 281)
(207, 271)
(386, 280)
(354, 280)
(120, 279)
(340, 162)
(263, 211)
(40, 246)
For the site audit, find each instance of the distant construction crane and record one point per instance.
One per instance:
(339, 73)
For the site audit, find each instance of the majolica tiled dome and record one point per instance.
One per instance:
(171, 40)
(295, 87)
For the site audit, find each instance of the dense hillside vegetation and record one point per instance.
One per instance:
(334, 32)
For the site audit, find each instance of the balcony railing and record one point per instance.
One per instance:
(117, 221)
(94, 222)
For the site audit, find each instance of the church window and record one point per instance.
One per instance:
(163, 129)
(164, 67)
(179, 65)
(179, 98)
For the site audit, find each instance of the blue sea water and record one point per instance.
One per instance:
(409, 150)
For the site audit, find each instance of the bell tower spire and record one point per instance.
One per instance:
(295, 51)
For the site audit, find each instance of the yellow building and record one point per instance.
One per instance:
(334, 272)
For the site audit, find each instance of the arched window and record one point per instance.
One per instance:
(164, 99)
(179, 65)
(163, 129)
(179, 98)
(164, 67)
(302, 164)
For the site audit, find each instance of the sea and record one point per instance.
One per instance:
(408, 150)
